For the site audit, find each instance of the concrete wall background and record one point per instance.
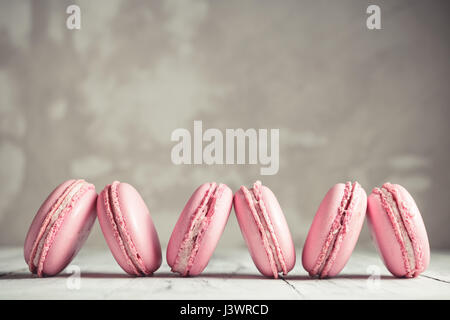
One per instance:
(100, 103)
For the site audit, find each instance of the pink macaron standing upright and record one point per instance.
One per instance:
(199, 228)
(265, 230)
(335, 230)
(398, 230)
(60, 227)
(128, 229)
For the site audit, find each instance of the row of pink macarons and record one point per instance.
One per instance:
(64, 220)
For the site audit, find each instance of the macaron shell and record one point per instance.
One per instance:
(418, 224)
(384, 236)
(252, 235)
(214, 231)
(350, 239)
(73, 233)
(40, 216)
(140, 226)
(108, 234)
(280, 226)
(183, 222)
(322, 224)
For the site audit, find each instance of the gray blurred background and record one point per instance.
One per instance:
(100, 103)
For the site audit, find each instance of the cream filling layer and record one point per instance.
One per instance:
(267, 235)
(404, 233)
(119, 220)
(331, 247)
(200, 220)
(53, 219)
(261, 217)
(189, 245)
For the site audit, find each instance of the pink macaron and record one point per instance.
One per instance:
(199, 228)
(265, 230)
(398, 230)
(128, 229)
(335, 230)
(60, 227)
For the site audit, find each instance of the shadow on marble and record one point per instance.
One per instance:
(110, 275)
(340, 276)
(106, 275)
(210, 275)
(17, 276)
(169, 275)
(96, 275)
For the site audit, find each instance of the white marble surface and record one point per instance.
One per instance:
(229, 275)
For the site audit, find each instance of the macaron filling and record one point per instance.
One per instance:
(338, 230)
(398, 214)
(401, 226)
(271, 245)
(52, 223)
(198, 225)
(121, 234)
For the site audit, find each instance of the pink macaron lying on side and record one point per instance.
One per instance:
(398, 230)
(265, 230)
(60, 227)
(335, 230)
(199, 228)
(128, 229)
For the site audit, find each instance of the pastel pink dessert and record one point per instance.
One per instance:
(265, 230)
(398, 230)
(60, 227)
(128, 229)
(199, 228)
(335, 230)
